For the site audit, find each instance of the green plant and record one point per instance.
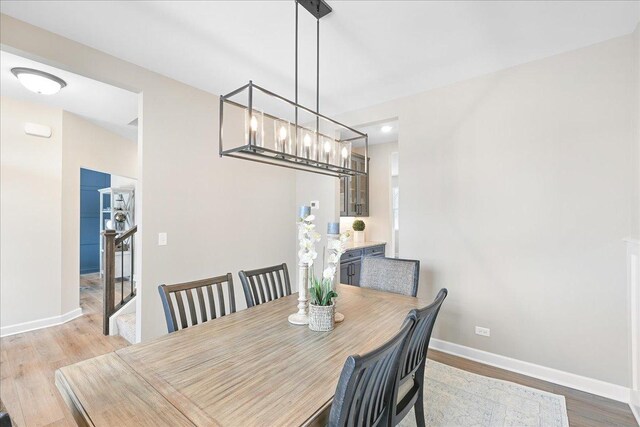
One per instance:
(321, 292)
(358, 225)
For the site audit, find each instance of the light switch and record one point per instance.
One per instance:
(162, 239)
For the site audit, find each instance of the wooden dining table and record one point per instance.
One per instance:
(249, 368)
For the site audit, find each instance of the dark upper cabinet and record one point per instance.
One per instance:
(354, 190)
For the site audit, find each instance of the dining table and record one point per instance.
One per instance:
(248, 368)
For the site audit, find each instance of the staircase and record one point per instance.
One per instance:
(126, 325)
(119, 313)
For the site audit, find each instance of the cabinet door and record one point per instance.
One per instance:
(362, 185)
(355, 273)
(352, 191)
(343, 196)
(344, 273)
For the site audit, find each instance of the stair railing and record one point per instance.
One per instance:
(114, 243)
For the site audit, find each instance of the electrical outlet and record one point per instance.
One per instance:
(162, 239)
(315, 204)
(485, 332)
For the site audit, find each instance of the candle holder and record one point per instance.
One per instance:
(307, 237)
(333, 241)
(302, 316)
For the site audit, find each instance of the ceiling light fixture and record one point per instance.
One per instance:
(313, 143)
(386, 128)
(38, 81)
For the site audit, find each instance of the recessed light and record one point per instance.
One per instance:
(38, 81)
(386, 128)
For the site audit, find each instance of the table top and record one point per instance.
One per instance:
(248, 368)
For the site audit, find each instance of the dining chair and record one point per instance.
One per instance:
(265, 284)
(409, 386)
(365, 388)
(390, 274)
(219, 301)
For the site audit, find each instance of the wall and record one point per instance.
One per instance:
(378, 223)
(516, 190)
(216, 220)
(30, 214)
(88, 146)
(90, 182)
(41, 209)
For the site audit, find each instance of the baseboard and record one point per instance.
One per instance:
(567, 379)
(40, 323)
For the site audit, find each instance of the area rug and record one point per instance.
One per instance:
(459, 398)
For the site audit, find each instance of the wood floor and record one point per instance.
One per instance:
(29, 360)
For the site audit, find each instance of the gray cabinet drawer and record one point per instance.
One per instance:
(374, 250)
(352, 254)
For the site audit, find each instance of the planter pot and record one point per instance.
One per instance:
(358, 236)
(321, 318)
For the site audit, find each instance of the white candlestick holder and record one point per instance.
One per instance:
(302, 316)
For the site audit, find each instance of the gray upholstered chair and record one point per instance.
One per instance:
(409, 387)
(364, 393)
(390, 274)
(208, 294)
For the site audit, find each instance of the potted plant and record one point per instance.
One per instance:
(321, 306)
(358, 231)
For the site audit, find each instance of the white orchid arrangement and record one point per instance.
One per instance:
(307, 238)
(335, 249)
(322, 292)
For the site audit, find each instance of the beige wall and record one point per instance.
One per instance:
(30, 214)
(516, 190)
(41, 206)
(221, 215)
(88, 146)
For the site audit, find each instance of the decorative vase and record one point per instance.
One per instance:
(358, 236)
(321, 317)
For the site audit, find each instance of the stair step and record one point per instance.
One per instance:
(127, 326)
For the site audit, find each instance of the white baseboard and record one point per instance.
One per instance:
(567, 379)
(40, 323)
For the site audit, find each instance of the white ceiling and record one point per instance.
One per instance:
(371, 51)
(107, 106)
(375, 133)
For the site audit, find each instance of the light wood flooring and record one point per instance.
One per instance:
(29, 360)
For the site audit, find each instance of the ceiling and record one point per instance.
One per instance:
(377, 135)
(371, 51)
(107, 106)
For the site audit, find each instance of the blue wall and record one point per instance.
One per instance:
(90, 183)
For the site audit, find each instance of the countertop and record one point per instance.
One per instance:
(352, 245)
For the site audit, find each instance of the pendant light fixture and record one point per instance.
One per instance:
(289, 134)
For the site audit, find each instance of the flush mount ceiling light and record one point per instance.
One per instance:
(38, 81)
(295, 137)
(386, 128)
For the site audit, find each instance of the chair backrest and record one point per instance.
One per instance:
(390, 274)
(418, 344)
(414, 356)
(214, 297)
(365, 389)
(265, 284)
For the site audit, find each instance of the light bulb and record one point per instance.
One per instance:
(254, 123)
(345, 152)
(283, 133)
(307, 140)
(327, 147)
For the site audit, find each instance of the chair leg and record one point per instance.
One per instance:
(419, 408)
